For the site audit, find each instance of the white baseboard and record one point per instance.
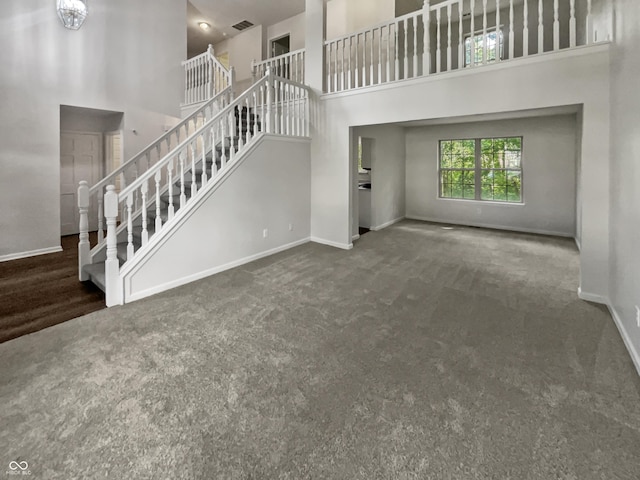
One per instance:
(486, 225)
(343, 246)
(355, 237)
(633, 352)
(131, 297)
(32, 253)
(592, 297)
(387, 224)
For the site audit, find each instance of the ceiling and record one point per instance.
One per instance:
(222, 14)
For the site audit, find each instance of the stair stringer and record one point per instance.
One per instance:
(268, 186)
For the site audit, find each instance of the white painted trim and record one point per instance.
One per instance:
(387, 224)
(515, 62)
(494, 227)
(633, 353)
(592, 297)
(355, 237)
(331, 243)
(206, 273)
(31, 253)
(578, 244)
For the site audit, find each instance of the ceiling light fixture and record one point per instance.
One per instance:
(72, 13)
(204, 26)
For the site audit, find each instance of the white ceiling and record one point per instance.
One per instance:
(222, 14)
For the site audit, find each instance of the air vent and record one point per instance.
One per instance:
(243, 25)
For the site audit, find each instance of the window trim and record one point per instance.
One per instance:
(478, 170)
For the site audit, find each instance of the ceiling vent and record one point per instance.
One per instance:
(243, 25)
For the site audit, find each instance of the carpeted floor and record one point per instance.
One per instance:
(423, 353)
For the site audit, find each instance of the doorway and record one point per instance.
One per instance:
(280, 45)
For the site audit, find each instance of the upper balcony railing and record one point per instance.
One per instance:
(289, 66)
(455, 35)
(204, 78)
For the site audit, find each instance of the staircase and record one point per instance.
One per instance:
(149, 206)
(246, 123)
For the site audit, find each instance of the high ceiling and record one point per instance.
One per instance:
(222, 14)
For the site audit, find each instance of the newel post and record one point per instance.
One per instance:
(84, 248)
(269, 74)
(426, 18)
(112, 266)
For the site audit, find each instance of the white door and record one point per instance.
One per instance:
(80, 159)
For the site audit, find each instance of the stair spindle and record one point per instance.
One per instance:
(540, 27)
(100, 216)
(255, 113)
(232, 140)
(144, 188)
(525, 29)
(484, 32)
(356, 70)
(371, 66)
(194, 185)
(499, 41)
(247, 121)
(379, 56)
(512, 36)
(183, 196)
(438, 51)
(158, 224)
(556, 26)
(204, 178)
(84, 247)
(364, 59)
(171, 209)
(449, 6)
(572, 23)
(214, 153)
(460, 35)
(405, 25)
(130, 249)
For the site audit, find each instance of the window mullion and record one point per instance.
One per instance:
(478, 170)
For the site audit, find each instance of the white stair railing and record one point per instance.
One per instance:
(205, 77)
(272, 105)
(433, 40)
(289, 66)
(92, 197)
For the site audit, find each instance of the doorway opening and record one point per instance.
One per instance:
(91, 145)
(280, 45)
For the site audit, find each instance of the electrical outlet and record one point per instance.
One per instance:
(265, 233)
(638, 316)
(291, 227)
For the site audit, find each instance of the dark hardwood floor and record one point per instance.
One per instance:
(42, 291)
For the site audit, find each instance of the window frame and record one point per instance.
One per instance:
(478, 170)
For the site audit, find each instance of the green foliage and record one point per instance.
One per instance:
(500, 164)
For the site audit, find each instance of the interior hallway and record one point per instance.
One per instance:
(421, 353)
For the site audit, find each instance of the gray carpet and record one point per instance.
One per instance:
(422, 353)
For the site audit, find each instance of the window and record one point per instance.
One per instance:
(495, 46)
(481, 169)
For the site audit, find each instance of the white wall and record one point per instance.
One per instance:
(294, 26)
(548, 171)
(346, 16)
(625, 174)
(243, 49)
(569, 78)
(387, 172)
(268, 189)
(126, 57)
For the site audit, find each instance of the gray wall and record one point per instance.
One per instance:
(625, 175)
(549, 176)
(125, 58)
